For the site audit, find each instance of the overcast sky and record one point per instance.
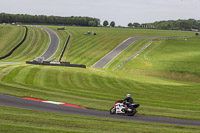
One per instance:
(120, 11)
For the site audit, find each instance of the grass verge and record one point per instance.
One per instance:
(25, 121)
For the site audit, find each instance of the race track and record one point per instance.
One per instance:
(54, 43)
(110, 56)
(11, 101)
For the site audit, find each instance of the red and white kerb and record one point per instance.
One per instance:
(52, 102)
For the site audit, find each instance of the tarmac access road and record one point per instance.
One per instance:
(115, 52)
(54, 43)
(16, 102)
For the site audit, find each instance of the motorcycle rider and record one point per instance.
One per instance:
(129, 100)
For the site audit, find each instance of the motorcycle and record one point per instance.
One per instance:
(121, 108)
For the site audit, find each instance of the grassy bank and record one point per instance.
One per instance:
(88, 49)
(10, 36)
(25, 121)
(34, 46)
(176, 59)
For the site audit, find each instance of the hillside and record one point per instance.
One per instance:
(35, 45)
(176, 59)
(149, 78)
(78, 86)
(88, 49)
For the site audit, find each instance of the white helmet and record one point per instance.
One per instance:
(128, 95)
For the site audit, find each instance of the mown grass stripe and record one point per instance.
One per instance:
(9, 37)
(18, 45)
(23, 121)
(36, 43)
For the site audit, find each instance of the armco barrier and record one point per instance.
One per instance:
(148, 45)
(67, 64)
(61, 55)
(17, 45)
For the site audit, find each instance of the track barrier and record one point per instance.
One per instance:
(67, 64)
(61, 55)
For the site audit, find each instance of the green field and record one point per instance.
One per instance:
(10, 36)
(165, 81)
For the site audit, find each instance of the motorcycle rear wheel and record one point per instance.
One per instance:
(112, 110)
(132, 113)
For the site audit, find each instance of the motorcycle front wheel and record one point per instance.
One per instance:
(112, 110)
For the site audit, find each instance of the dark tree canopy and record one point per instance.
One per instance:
(112, 24)
(43, 19)
(136, 24)
(92, 23)
(105, 23)
(178, 24)
(130, 25)
(190, 24)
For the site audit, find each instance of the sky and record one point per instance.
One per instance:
(120, 11)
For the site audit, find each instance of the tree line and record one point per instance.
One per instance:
(178, 24)
(43, 19)
(190, 24)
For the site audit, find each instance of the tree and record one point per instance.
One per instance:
(136, 24)
(105, 23)
(130, 25)
(112, 24)
(92, 23)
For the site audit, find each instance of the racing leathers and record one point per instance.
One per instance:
(129, 100)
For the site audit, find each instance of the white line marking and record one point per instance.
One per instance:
(52, 102)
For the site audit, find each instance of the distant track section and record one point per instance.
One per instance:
(54, 44)
(12, 50)
(115, 52)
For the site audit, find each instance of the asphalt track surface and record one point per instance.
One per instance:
(110, 56)
(54, 44)
(16, 102)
